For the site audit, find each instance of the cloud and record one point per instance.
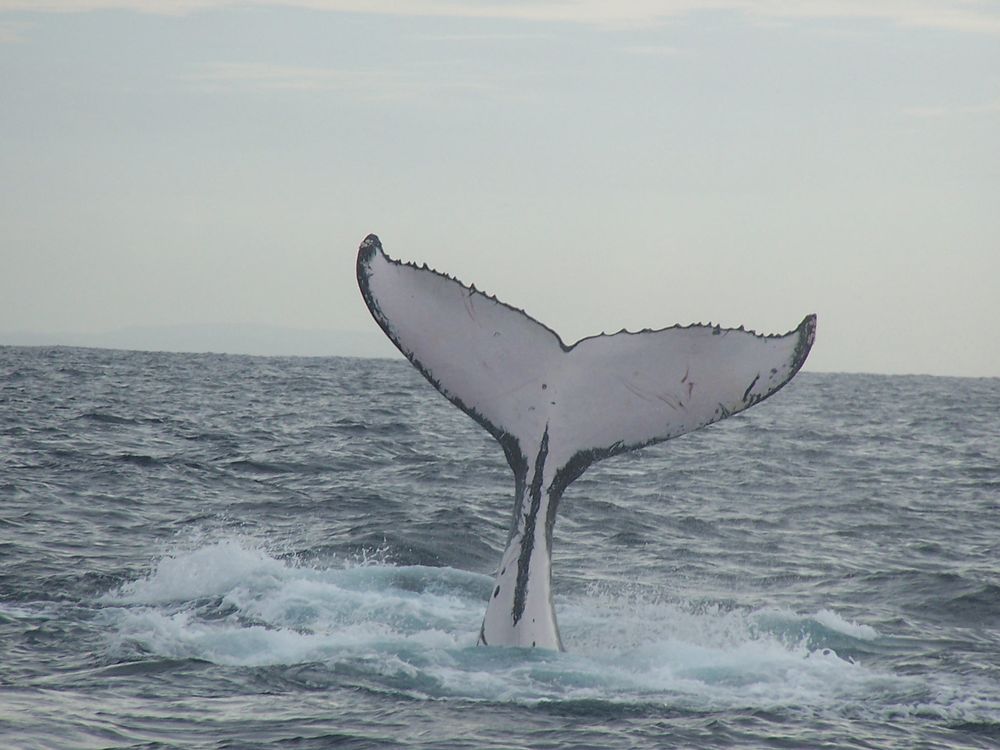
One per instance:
(476, 38)
(653, 50)
(413, 82)
(12, 32)
(991, 108)
(263, 76)
(977, 16)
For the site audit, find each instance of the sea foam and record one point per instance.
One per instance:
(413, 629)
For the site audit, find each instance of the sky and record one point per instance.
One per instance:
(203, 164)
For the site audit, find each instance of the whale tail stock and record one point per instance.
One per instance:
(556, 409)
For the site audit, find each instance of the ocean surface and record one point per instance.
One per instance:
(206, 551)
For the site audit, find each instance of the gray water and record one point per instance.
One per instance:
(236, 552)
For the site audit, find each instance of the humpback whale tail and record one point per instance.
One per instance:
(556, 409)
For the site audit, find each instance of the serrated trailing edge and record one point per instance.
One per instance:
(557, 409)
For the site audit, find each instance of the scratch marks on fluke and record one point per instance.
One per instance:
(530, 518)
(555, 408)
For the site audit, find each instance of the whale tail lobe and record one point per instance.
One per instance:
(556, 409)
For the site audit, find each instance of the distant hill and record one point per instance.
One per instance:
(223, 339)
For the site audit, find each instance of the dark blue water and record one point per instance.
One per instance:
(236, 552)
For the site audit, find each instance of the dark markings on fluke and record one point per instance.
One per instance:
(556, 409)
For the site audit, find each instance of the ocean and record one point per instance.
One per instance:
(214, 551)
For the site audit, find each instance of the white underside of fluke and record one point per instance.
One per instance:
(555, 409)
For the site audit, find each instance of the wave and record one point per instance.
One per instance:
(411, 630)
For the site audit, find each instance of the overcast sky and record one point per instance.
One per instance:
(600, 164)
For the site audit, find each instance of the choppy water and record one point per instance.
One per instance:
(237, 552)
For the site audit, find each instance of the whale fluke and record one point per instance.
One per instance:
(556, 409)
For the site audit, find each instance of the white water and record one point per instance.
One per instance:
(413, 629)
